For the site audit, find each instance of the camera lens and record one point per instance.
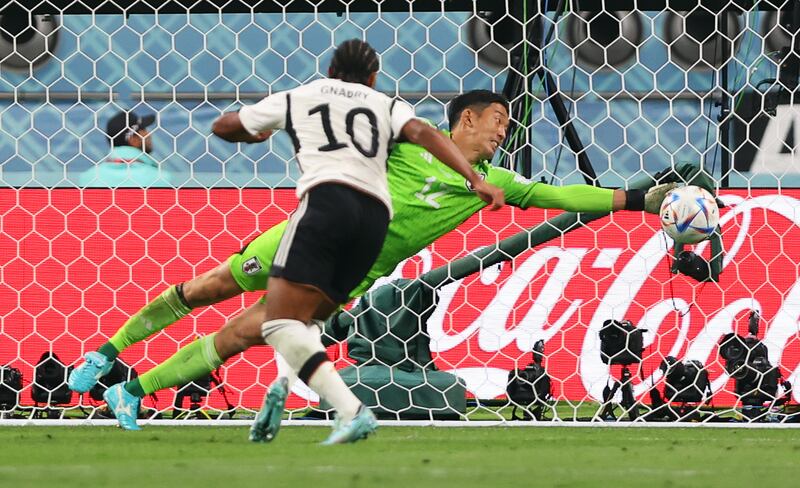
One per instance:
(760, 364)
(738, 369)
(732, 349)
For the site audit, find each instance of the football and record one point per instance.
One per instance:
(689, 214)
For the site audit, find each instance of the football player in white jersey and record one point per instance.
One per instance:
(342, 131)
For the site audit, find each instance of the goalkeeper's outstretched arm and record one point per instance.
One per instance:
(587, 198)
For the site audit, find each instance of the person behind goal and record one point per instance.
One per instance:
(342, 131)
(429, 201)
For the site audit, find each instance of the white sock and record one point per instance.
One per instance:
(297, 342)
(330, 386)
(286, 371)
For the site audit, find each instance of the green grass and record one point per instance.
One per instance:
(408, 457)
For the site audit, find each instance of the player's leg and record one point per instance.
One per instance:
(284, 370)
(246, 270)
(173, 304)
(322, 257)
(298, 305)
(198, 359)
(195, 360)
(300, 338)
(286, 328)
(351, 268)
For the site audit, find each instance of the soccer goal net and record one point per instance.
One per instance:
(517, 314)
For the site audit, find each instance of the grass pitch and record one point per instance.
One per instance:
(407, 457)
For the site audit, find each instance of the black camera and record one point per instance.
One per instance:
(530, 386)
(10, 386)
(694, 266)
(50, 381)
(195, 391)
(686, 388)
(686, 381)
(621, 342)
(747, 361)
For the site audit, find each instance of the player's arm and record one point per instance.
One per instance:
(229, 127)
(649, 201)
(443, 149)
(253, 123)
(578, 198)
(525, 193)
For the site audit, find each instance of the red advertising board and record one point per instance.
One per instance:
(77, 263)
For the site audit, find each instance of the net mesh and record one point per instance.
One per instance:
(644, 90)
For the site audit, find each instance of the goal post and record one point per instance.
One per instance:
(611, 93)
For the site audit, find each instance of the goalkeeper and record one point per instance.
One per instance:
(429, 200)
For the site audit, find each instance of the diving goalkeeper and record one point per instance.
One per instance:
(429, 200)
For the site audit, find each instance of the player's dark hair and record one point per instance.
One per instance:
(476, 100)
(354, 61)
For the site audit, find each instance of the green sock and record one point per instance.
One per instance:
(109, 350)
(191, 362)
(165, 310)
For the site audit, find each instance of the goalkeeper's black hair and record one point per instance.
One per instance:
(354, 61)
(476, 100)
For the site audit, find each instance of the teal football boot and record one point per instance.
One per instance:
(124, 405)
(268, 421)
(85, 376)
(362, 425)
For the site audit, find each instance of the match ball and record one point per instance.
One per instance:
(689, 214)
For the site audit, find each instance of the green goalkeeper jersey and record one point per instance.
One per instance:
(429, 200)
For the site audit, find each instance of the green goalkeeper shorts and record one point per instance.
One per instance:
(250, 266)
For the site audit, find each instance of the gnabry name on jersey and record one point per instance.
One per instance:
(342, 92)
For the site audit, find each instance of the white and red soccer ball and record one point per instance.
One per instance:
(689, 214)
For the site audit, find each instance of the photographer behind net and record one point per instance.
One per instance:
(621, 343)
(756, 380)
(530, 388)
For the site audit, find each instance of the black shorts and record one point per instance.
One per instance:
(332, 240)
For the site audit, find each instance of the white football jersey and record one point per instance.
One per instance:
(342, 132)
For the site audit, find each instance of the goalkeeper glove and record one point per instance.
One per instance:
(655, 196)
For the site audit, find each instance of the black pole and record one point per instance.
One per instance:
(574, 141)
(534, 54)
(516, 84)
(789, 70)
(724, 118)
(560, 109)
